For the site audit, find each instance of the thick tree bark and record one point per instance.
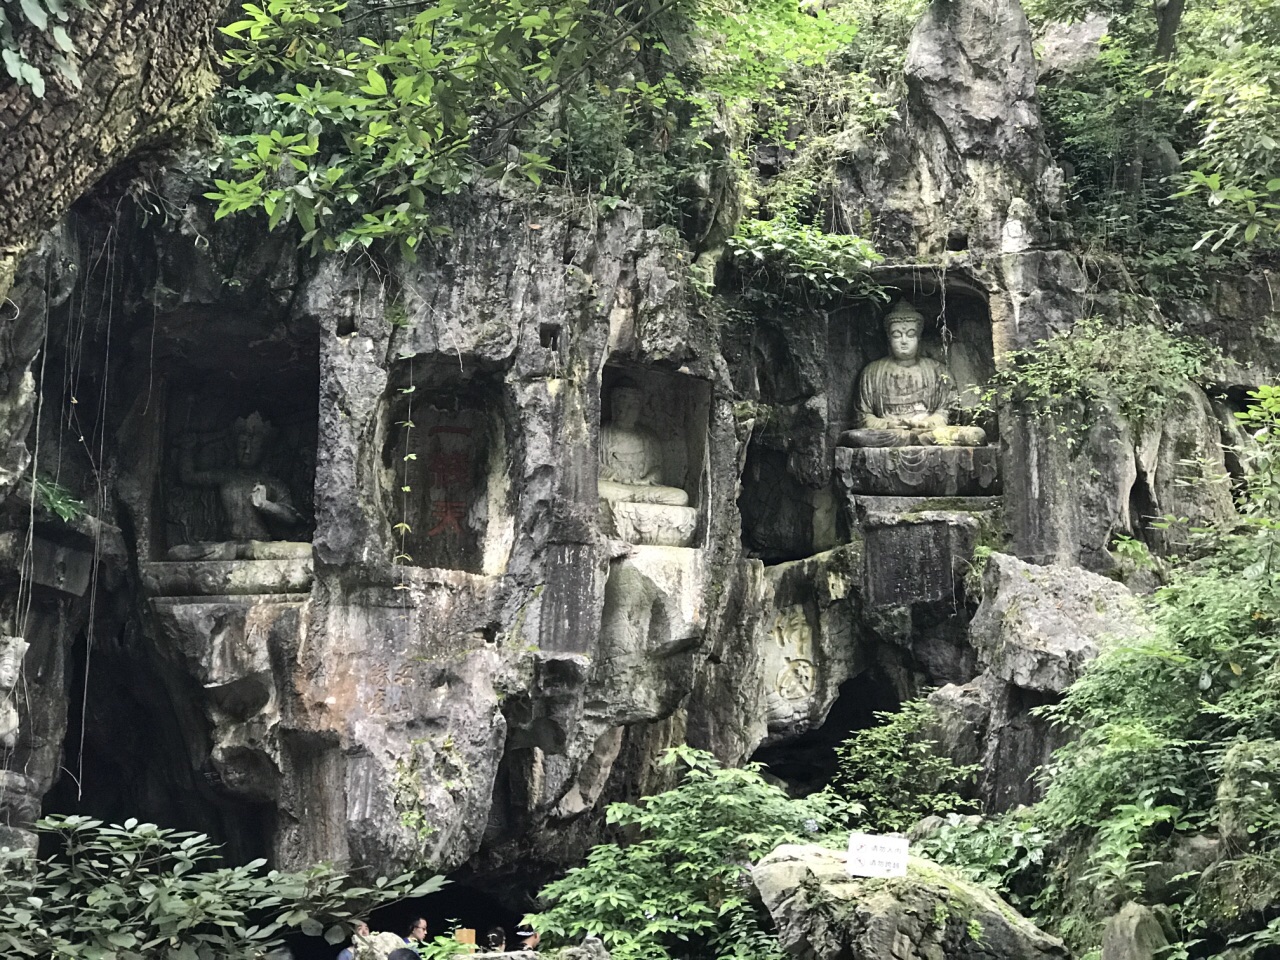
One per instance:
(1168, 19)
(145, 67)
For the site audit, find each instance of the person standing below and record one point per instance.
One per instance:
(358, 929)
(417, 932)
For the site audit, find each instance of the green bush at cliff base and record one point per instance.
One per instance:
(896, 773)
(1174, 735)
(136, 891)
(678, 886)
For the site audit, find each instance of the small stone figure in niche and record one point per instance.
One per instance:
(255, 505)
(634, 501)
(12, 650)
(905, 399)
(631, 454)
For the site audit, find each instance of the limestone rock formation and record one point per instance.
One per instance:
(1034, 632)
(824, 914)
(1133, 933)
(455, 656)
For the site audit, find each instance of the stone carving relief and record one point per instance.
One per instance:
(258, 515)
(790, 673)
(12, 650)
(636, 504)
(444, 463)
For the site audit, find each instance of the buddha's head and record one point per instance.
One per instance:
(11, 654)
(902, 327)
(251, 437)
(625, 401)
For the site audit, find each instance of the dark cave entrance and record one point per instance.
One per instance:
(128, 753)
(459, 904)
(807, 763)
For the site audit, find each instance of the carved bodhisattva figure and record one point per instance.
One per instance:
(257, 509)
(905, 399)
(12, 650)
(641, 508)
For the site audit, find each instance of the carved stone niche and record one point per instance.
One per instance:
(218, 475)
(652, 456)
(444, 471)
(939, 444)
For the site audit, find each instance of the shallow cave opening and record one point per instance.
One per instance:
(458, 905)
(126, 753)
(807, 763)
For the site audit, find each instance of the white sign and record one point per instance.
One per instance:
(872, 856)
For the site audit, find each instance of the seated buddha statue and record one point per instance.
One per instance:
(636, 505)
(257, 510)
(905, 399)
(631, 455)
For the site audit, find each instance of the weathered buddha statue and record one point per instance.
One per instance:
(905, 399)
(12, 650)
(642, 509)
(257, 509)
(631, 455)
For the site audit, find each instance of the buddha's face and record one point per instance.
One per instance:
(249, 444)
(10, 667)
(904, 341)
(626, 405)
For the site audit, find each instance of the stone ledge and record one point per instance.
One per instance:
(919, 471)
(212, 578)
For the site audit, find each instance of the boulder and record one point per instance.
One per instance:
(1069, 47)
(1133, 934)
(930, 914)
(1038, 626)
(1035, 631)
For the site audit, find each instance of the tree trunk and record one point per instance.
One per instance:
(1168, 19)
(145, 67)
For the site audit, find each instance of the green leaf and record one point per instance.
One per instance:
(35, 12)
(376, 85)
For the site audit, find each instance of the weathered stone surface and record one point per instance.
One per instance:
(226, 577)
(1133, 934)
(919, 549)
(1038, 626)
(1066, 47)
(824, 914)
(1069, 501)
(1250, 780)
(919, 471)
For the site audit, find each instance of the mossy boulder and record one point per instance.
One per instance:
(930, 914)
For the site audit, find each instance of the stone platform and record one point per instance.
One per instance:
(919, 471)
(205, 578)
(918, 549)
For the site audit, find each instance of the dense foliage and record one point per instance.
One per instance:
(140, 892)
(1170, 139)
(353, 124)
(1137, 366)
(895, 772)
(678, 886)
(1176, 735)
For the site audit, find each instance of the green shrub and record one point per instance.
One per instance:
(1137, 365)
(678, 885)
(140, 892)
(897, 774)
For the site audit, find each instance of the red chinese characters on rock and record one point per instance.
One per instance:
(449, 471)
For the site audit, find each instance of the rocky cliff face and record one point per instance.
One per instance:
(441, 649)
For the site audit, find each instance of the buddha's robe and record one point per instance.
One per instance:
(901, 404)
